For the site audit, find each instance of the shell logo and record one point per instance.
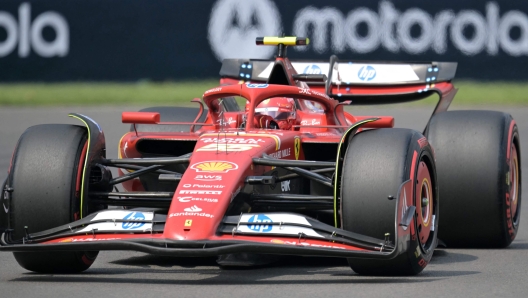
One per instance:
(214, 166)
(67, 240)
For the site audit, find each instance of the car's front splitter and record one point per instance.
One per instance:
(205, 248)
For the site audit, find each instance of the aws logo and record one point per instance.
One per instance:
(28, 34)
(214, 166)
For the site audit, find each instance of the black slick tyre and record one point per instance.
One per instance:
(375, 165)
(479, 175)
(45, 176)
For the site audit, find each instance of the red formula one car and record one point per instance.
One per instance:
(291, 174)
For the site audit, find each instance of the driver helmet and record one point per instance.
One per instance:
(280, 109)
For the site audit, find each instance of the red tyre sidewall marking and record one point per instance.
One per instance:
(421, 261)
(410, 198)
(424, 183)
(514, 180)
(511, 203)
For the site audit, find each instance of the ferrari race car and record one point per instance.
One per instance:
(292, 173)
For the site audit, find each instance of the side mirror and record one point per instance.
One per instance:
(140, 117)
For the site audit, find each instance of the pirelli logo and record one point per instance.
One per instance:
(200, 192)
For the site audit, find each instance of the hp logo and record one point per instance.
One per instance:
(259, 223)
(130, 225)
(312, 69)
(367, 73)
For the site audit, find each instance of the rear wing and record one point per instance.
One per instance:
(363, 82)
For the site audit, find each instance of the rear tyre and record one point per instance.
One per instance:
(45, 176)
(478, 162)
(376, 163)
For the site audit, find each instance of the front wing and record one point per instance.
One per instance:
(299, 235)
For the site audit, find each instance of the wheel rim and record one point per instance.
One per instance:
(514, 182)
(424, 203)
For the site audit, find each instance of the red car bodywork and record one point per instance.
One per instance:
(226, 147)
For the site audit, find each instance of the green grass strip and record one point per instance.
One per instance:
(180, 93)
(493, 93)
(173, 93)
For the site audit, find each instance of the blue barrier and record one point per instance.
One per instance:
(129, 40)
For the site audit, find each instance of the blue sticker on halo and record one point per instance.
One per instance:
(249, 85)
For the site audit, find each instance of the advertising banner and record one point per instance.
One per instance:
(130, 40)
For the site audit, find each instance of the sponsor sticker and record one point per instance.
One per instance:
(208, 177)
(280, 217)
(131, 225)
(423, 142)
(260, 223)
(232, 140)
(304, 91)
(285, 185)
(250, 85)
(200, 192)
(214, 166)
(281, 153)
(188, 185)
(325, 134)
(224, 122)
(259, 135)
(311, 122)
(193, 209)
(213, 90)
(264, 223)
(319, 93)
(198, 214)
(91, 239)
(228, 147)
(189, 199)
(297, 147)
(312, 69)
(367, 73)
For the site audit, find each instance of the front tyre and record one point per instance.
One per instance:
(376, 164)
(45, 176)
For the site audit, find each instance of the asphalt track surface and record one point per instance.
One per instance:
(452, 272)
